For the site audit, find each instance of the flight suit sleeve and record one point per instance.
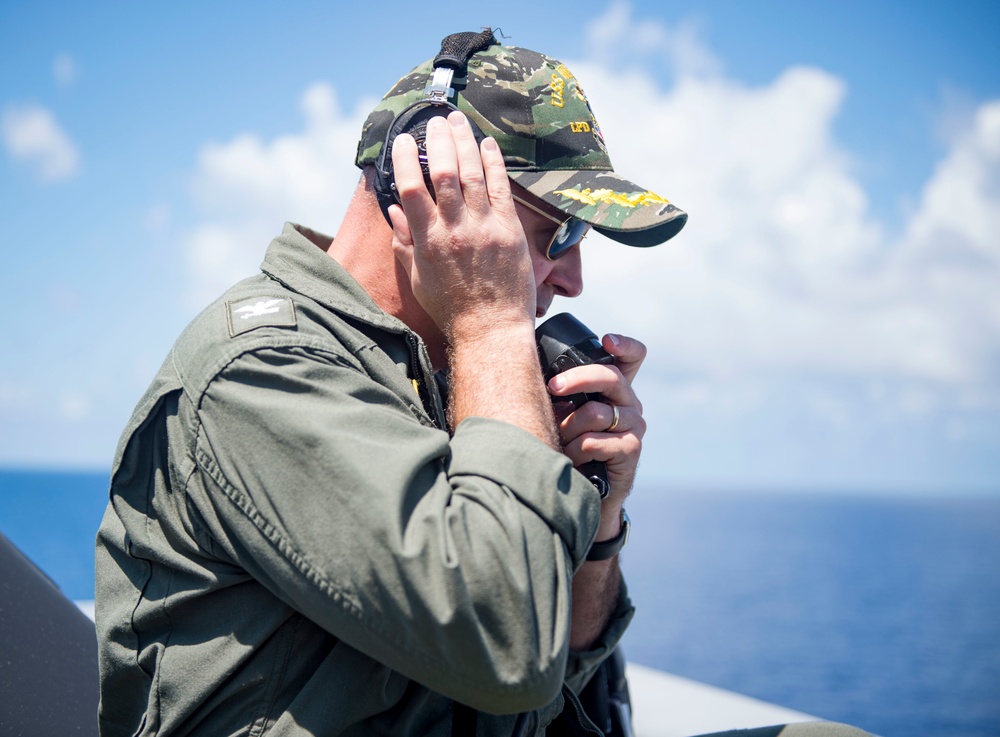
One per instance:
(582, 664)
(449, 559)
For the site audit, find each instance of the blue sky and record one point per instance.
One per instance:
(830, 318)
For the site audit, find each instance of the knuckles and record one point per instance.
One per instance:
(616, 449)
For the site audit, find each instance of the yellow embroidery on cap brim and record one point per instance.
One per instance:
(610, 197)
(580, 127)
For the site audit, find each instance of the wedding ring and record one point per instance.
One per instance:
(614, 422)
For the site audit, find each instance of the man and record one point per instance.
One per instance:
(300, 540)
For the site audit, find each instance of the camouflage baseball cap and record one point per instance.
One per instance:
(552, 145)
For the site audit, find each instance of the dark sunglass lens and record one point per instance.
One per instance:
(569, 234)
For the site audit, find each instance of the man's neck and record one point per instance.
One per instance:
(363, 246)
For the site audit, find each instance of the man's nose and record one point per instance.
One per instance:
(566, 277)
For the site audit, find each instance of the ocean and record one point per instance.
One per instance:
(880, 611)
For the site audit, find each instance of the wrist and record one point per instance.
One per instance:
(495, 373)
(490, 327)
(611, 520)
(608, 549)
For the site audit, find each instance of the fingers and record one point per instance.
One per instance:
(599, 417)
(585, 435)
(402, 238)
(469, 180)
(455, 164)
(609, 429)
(619, 450)
(629, 353)
(595, 378)
(410, 187)
(464, 256)
(443, 162)
(497, 183)
(614, 382)
(470, 164)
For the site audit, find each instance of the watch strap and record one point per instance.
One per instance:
(610, 548)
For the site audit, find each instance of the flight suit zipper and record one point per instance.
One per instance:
(425, 385)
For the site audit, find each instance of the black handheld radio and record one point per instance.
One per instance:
(565, 342)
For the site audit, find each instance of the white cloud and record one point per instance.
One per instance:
(781, 272)
(248, 187)
(64, 69)
(615, 37)
(959, 217)
(32, 134)
(781, 269)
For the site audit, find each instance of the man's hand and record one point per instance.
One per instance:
(585, 433)
(469, 268)
(466, 253)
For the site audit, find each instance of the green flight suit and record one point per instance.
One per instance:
(295, 544)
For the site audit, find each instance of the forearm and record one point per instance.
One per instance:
(609, 430)
(453, 567)
(498, 376)
(596, 587)
(495, 374)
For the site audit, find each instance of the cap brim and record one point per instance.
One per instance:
(616, 207)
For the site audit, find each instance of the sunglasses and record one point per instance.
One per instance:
(570, 232)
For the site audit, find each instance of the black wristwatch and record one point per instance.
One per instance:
(610, 548)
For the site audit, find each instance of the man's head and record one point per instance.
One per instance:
(537, 112)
